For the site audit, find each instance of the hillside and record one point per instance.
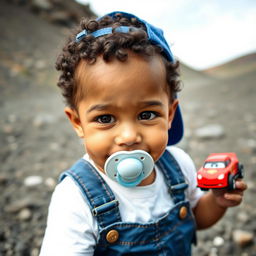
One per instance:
(193, 77)
(38, 142)
(235, 68)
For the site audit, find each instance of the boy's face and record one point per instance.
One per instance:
(125, 107)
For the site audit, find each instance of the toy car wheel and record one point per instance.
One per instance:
(240, 171)
(231, 182)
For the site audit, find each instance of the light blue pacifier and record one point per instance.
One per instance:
(129, 168)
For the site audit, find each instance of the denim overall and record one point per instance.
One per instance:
(172, 234)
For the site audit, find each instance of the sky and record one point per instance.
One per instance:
(201, 33)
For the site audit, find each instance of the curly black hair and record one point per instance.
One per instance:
(114, 45)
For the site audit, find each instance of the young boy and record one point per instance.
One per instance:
(130, 194)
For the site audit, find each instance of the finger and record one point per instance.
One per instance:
(236, 191)
(241, 185)
(233, 197)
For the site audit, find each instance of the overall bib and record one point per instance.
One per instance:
(170, 235)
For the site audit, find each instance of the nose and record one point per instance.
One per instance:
(128, 135)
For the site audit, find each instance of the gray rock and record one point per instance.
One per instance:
(3, 179)
(61, 17)
(252, 127)
(18, 205)
(212, 113)
(21, 248)
(54, 146)
(252, 145)
(213, 131)
(248, 145)
(50, 183)
(24, 214)
(40, 64)
(218, 241)
(42, 5)
(213, 252)
(8, 129)
(32, 181)
(242, 237)
(228, 249)
(35, 252)
(243, 217)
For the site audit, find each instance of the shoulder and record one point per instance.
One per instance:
(70, 220)
(184, 160)
(189, 171)
(67, 191)
(67, 196)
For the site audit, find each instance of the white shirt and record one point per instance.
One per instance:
(71, 228)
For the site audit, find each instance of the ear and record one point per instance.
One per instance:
(75, 121)
(172, 109)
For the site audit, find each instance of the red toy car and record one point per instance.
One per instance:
(220, 171)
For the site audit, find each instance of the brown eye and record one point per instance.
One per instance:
(105, 119)
(147, 115)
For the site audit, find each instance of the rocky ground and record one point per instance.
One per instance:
(38, 142)
(220, 117)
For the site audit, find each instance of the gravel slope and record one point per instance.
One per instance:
(38, 142)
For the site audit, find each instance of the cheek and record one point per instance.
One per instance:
(97, 146)
(158, 143)
(95, 143)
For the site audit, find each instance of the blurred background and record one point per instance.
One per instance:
(216, 44)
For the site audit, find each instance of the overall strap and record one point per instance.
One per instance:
(99, 196)
(174, 176)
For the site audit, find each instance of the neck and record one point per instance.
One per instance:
(150, 179)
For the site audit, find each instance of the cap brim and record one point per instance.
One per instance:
(175, 134)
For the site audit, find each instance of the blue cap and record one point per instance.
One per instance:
(156, 37)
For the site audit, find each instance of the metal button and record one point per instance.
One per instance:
(183, 212)
(112, 236)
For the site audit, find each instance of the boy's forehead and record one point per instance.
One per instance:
(115, 71)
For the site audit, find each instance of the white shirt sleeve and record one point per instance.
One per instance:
(68, 231)
(193, 193)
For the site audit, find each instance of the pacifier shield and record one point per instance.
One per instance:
(129, 168)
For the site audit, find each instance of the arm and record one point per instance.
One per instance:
(213, 205)
(70, 226)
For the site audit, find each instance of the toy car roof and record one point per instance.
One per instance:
(222, 157)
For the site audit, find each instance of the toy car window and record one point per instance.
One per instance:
(214, 165)
(227, 162)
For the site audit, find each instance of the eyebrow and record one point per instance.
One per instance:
(101, 107)
(152, 103)
(98, 107)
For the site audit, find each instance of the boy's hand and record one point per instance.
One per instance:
(229, 198)
(212, 205)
